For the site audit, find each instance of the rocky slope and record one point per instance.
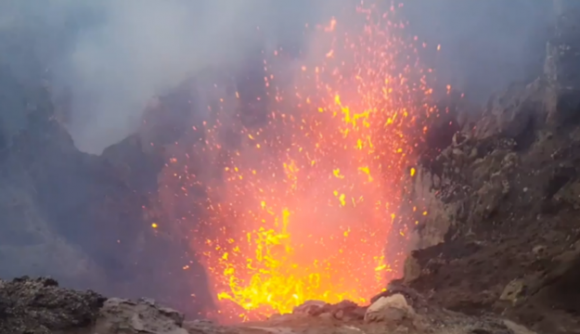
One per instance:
(80, 218)
(502, 234)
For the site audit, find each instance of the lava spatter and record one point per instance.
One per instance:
(301, 206)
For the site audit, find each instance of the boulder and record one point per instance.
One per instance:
(144, 316)
(40, 306)
(512, 291)
(345, 310)
(311, 308)
(392, 309)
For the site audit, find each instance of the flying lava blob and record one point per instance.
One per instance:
(301, 206)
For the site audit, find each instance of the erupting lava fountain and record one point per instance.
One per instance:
(301, 206)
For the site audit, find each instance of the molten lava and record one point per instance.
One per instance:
(301, 206)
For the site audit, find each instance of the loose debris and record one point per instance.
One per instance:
(40, 306)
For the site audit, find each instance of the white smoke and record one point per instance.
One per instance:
(142, 49)
(123, 53)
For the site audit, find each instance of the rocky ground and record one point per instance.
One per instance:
(40, 306)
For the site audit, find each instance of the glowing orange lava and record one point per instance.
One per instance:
(302, 205)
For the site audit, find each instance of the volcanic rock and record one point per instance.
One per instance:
(346, 310)
(40, 306)
(125, 316)
(560, 68)
(512, 291)
(311, 307)
(81, 218)
(206, 327)
(539, 250)
(411, 270)
(496, 210)
(393, 308)
(511, 113)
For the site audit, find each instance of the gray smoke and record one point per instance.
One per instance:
(112, 57)
(485, 45)
(140, 49)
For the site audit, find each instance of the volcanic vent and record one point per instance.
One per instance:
(301, 192)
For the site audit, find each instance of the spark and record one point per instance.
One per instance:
(304, 214)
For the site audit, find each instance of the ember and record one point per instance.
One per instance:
(307, 207)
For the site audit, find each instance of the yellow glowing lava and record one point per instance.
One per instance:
(306, 203)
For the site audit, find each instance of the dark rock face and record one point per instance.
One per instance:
(65, 211)
(83, 219)
(561, 69)
(40, 306)
(501, 234)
